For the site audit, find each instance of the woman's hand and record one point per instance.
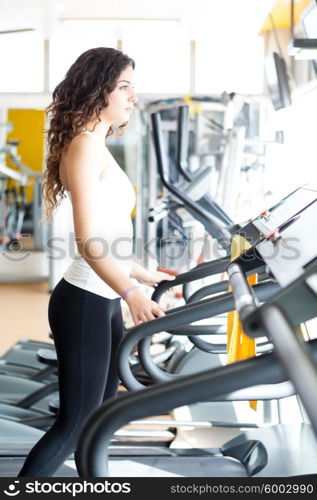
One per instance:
(153, 278)
(141, 308)
(149, 278)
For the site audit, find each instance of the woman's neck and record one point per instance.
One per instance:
(99, 129)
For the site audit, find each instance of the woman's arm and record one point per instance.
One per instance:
(82, 166)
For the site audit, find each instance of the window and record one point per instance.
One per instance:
(294, 163)
(161, 52)
(229, 64)
(73, 39)
(22, 62)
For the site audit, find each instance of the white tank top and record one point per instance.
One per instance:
(116, 200)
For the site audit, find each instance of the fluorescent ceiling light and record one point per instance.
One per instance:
(303, 48)
(118, 19)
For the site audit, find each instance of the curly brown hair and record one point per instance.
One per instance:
(81, 96)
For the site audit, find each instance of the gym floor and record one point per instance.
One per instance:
(23, 313)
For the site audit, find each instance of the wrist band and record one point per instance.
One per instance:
(124, 293)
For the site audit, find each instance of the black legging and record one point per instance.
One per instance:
(87, 330)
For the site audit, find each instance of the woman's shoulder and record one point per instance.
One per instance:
(85, 153)
(83, 146)
(83, 141)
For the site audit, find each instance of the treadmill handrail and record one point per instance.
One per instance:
(294, 357)
(242, 292)
(289, 349)
(266, 290)
(92, 455)
(182, 162)
(201, 293)
(174, 318)
(182, 142)
(196, 184)
(202, 271)
(224, 234)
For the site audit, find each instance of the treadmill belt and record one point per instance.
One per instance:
(10, 466)
(176, 467)
(148, 467)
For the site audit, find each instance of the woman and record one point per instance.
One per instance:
(84, 309)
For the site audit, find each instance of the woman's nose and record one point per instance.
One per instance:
(133, 97)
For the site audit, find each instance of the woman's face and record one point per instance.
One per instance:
(121, 99)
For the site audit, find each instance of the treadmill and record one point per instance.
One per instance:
(292, 359)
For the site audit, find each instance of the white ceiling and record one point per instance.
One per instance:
(221, 17)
